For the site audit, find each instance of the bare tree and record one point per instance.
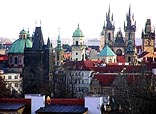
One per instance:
(138, 97)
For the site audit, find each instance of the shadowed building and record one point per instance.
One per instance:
(38, 69)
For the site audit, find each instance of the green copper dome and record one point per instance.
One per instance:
(78, 32)
(23, 32)
(19, 45)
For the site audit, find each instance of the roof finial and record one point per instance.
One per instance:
(58, 33)
(35, 23)
(78, 25)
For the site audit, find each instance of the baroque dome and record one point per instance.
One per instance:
(78, 32)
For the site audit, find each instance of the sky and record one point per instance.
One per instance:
(66, 14)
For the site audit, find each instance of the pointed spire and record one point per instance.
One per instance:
(129, 11)
(59, 34)
(133, 16)
(109, 11)
(112, 17)
(38, 41)
(59, 40)
(48, 42)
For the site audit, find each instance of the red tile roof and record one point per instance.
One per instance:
(105, 80)
(3, 57)
(60, 101)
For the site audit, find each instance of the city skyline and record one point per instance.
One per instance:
(66, 14)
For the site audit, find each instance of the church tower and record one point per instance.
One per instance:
(108, 31)
(78, 47)
(130, 28)
(59, 52)
(148, 37)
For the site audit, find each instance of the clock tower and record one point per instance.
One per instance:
(148, 37)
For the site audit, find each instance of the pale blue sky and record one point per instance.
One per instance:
(66, 14)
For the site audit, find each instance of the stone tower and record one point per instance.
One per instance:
(148, 37)
(38, 69)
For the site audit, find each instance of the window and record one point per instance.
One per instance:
(76, 53)
(10, 59)
(76, 43)
(19, 60)
(129, 59)
(9, 77)
(16, 84)
(16, 77)
(15, 60)
(110, 60)
(109, 36)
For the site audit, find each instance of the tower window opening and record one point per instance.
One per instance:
(76, 43)
(109, 36)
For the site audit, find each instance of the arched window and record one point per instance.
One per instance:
(76, 43)
(109, 36)
(119, 52)
(129, 59)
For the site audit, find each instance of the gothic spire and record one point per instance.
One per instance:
(38, 41)
(48, 42)
(129, 11)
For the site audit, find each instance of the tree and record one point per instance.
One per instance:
(138, 97)
(4, 92)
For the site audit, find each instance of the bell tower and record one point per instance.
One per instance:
(148, 37)
(78, 47)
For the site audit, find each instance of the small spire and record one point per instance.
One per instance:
(59, 33)
(35, 23)
(133, 16)
(112, 16)
(109, 10)
(129, 10)
(78, 25)
(48, 42)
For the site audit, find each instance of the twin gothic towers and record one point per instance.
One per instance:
(125, 45)
(119, 44)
